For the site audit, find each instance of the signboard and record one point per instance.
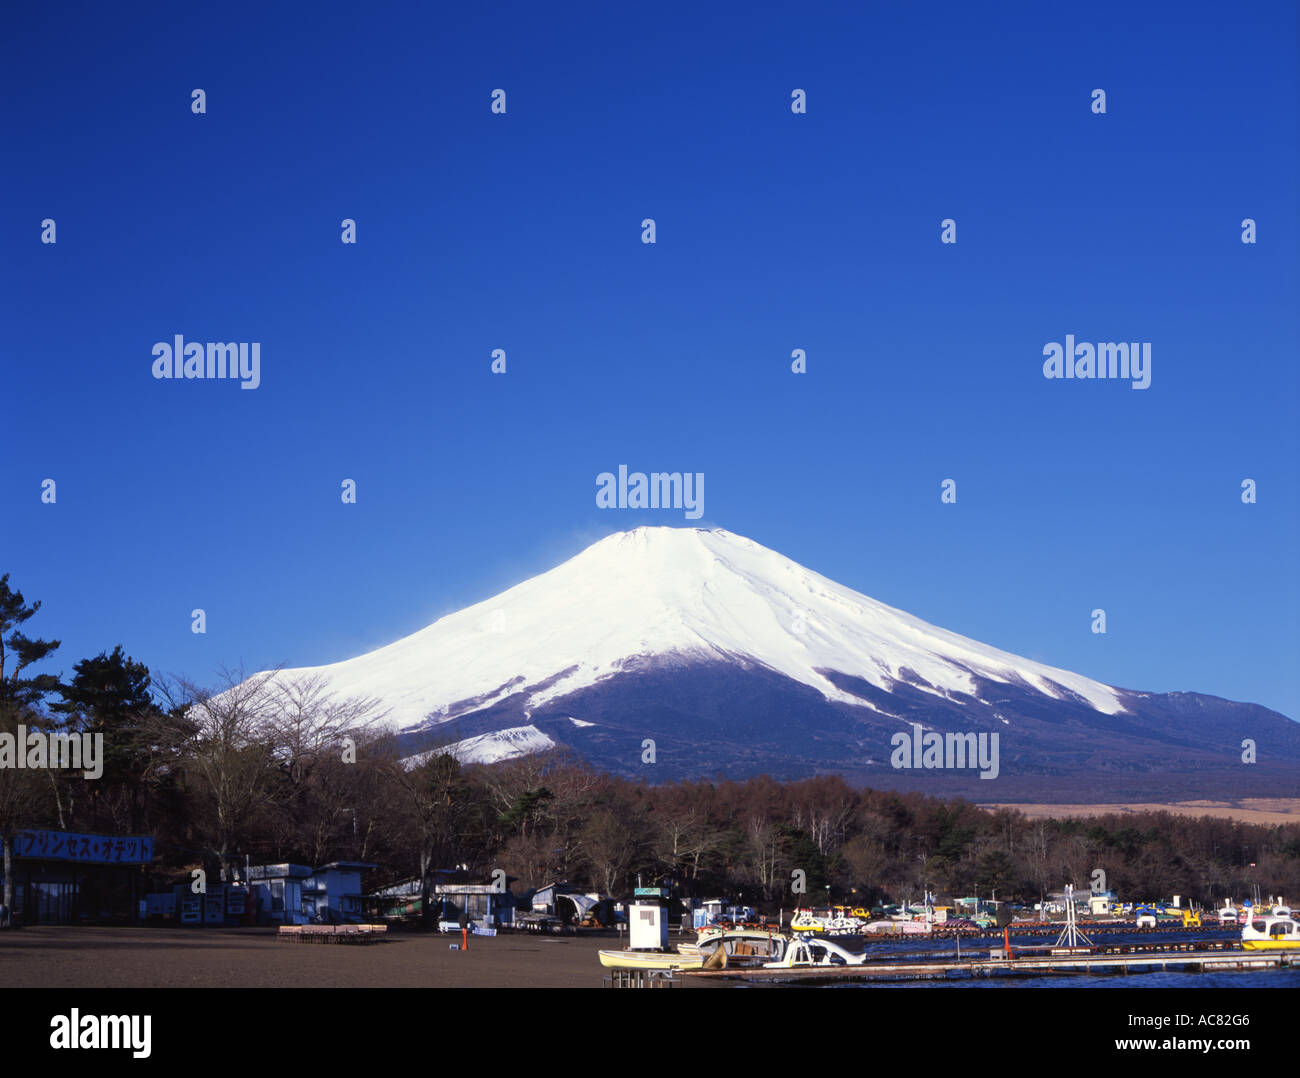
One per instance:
(85, 849)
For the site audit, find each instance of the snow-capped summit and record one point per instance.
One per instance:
(689, 593)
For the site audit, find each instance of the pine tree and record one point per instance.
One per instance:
(109, 695)
(20, 692)
(19, 698)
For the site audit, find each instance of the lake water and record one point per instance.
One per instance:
(979, 947)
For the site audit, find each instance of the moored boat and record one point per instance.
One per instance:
(806, 953)
(1275, 932)
(898, 928)
(742, 947)
(709, 935)
(650, 960)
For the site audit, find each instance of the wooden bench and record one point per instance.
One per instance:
(331, 933)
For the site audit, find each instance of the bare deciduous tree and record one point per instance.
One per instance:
(308, 721)
(230, 749)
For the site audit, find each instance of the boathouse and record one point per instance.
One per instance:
(65, 877)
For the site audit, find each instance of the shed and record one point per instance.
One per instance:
(277, 892)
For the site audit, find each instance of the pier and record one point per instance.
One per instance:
(1115, 960)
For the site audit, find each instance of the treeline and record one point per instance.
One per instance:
(278, 769)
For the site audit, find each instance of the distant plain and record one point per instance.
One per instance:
(1261, 810)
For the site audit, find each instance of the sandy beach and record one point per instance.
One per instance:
(109, 957)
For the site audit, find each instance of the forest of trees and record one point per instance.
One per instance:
(278, 769)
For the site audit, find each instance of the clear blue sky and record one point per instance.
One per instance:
(776, 231)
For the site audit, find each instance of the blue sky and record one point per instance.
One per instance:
(775, 231)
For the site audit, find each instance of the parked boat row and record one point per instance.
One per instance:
(847, 921)
(761, 948)
(752, 946)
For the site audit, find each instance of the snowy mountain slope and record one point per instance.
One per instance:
(707, 595)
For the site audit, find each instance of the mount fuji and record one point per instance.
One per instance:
(733, 659)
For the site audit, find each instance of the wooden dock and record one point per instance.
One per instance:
(1116, 960)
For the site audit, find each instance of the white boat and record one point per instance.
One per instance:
(709, 932)
(898, 928)
(804, 953)
(738, 947)
(742, 945)
(650, 960)
(1275, 932)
